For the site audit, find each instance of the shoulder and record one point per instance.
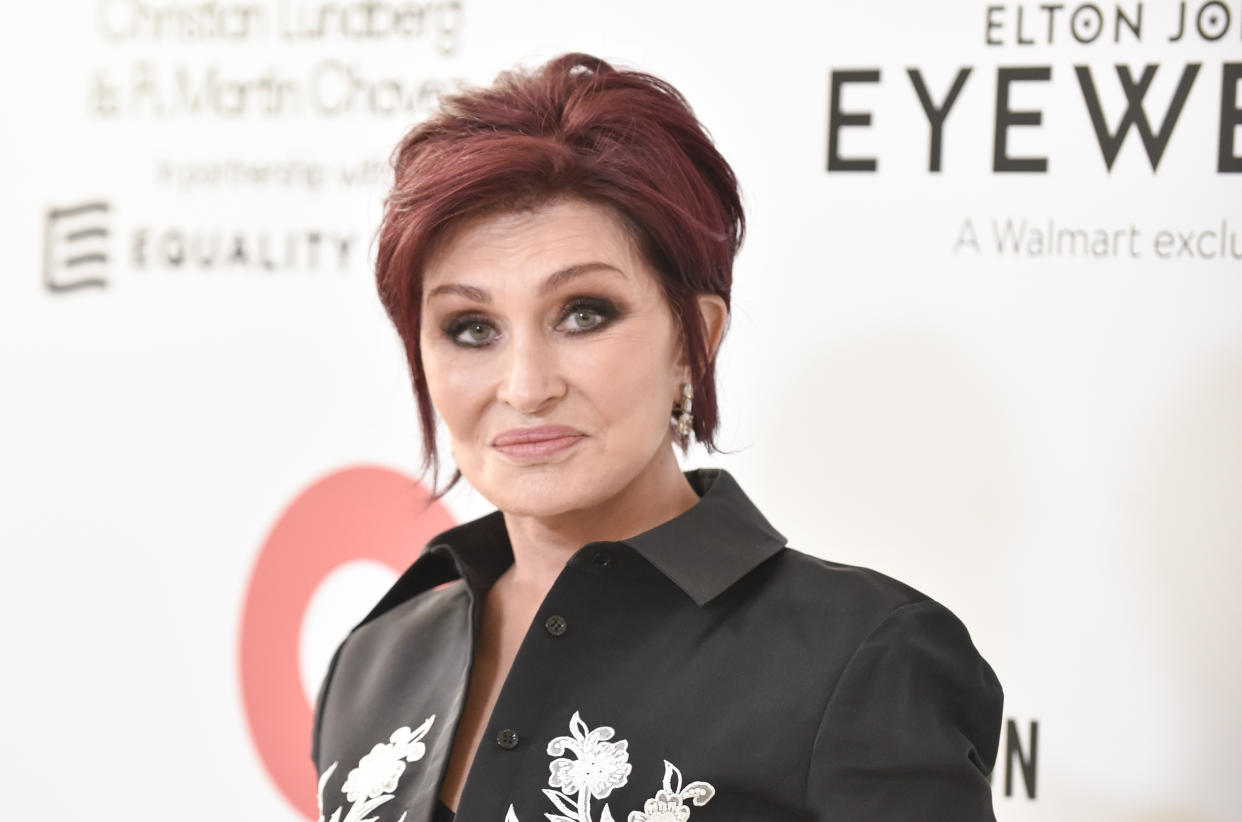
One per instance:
(851, 599)
(915, 704)
(861, 584)
(855, 620)
(905, 698)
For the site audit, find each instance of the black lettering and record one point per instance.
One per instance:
(1135, 25)
(936, 116)
(1154, 142)
(992, 24)
(838, 118)
(1218, 21)
(1005, 117)
(1181, 23)
(1013, 748)
(1052, 9)
(1019, 40)
(1227, 159)
(1081, 23)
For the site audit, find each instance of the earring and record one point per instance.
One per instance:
(685, 421)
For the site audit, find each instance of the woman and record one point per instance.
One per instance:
(619, 639)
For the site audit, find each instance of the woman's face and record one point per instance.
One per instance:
(550, 319)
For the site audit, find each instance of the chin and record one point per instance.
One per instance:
(542, 490)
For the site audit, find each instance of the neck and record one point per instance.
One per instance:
(542, 545)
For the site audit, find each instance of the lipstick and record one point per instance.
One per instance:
(539, 441)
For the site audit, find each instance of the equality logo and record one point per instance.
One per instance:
(364, 513)
(76, 253)
(75, 246)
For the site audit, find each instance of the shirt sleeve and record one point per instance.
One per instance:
(912, 727)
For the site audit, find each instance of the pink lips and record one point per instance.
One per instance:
(536, 442)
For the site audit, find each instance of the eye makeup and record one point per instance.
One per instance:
(605, 309)
(473, 329)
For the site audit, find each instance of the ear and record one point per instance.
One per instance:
(714, 315)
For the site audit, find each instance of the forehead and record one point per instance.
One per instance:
(533, 243)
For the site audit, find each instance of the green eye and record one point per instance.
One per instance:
(584, 318)
(588, 313)
(472, 333)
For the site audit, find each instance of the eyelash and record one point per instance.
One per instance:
(606, 310)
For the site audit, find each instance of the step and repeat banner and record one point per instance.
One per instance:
(986, 338)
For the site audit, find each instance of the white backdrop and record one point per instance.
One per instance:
(1047, 438)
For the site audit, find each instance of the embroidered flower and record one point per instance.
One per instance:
(663, 808)
(374, 781)
(599, 765)
(408, 744)
(377, 773)
(668, 804)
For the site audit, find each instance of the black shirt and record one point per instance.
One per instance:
(701, 668)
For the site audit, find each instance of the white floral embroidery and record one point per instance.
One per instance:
(667, 805)
(600, 766)
(374, 781)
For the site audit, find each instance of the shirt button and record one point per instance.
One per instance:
(602, 558)
(507, 739)
(555, 625)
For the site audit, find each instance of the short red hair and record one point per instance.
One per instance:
(573, 127)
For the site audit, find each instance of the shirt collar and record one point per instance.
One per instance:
(704, 550)
(713, 544)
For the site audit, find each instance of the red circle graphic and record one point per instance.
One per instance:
(355, 513)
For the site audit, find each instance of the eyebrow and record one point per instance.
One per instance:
(553, 281)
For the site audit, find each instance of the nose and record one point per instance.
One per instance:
(532, 379)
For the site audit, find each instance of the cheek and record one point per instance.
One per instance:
(629, 380)
(449, 383)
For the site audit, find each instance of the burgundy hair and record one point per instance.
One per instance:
(574, 127)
